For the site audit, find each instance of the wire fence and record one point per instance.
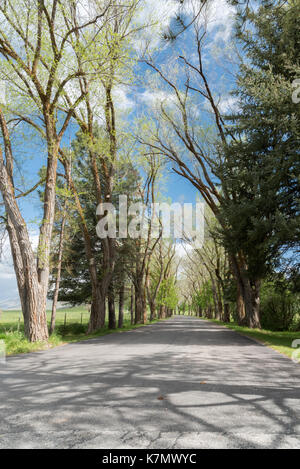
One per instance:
(13, 321)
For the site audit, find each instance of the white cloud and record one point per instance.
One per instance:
(157, 14)
(225, 104)
(228, 104)
(2, 92)
(151, 97)
(124, 102)
(157, 11)
(9, 295)
(183, 248)
(220, 16)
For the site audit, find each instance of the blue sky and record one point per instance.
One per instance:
(30, 152)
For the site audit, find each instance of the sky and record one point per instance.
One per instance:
(30, 153)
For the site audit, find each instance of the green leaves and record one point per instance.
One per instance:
(260, 169)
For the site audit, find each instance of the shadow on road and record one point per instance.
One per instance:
(180, 376)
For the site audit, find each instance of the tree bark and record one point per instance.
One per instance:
(252, 303)
(132, 305)
(98, 311)
(32, 296)
(112, 324)
(98, 295)
(45, 237)
(248, 294)
(59, 265)
(139, 302)
(121, 306)
(152, 310)
(226, 313)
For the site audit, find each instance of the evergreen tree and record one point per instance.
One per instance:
(260, 170)
(75, 285)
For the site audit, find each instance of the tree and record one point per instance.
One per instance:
(181, 133)
(62, 208)
(34, 48)
(76, 284)
(144, 246)
(161, 279)
(208, 268)
(261, 166)
(186, 137)
(102, 71)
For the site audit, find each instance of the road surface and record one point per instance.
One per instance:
(182, 383)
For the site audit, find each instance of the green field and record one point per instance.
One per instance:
(71, 326)
(10, 319)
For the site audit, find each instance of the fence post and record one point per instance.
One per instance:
(19, 322)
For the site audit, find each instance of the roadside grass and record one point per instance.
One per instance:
(71, 326)
(280, 341)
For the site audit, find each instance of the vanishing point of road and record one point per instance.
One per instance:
(181, 383)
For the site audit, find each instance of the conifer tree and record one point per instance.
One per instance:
(261, 165)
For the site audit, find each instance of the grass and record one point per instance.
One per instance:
(71, 326)
(280, 341)
(12, 332)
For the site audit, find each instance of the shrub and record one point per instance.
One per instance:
(279, 308)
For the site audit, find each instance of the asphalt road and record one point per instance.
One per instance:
(182, 383)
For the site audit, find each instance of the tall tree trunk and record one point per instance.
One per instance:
(240, 304)
(132, 305)
(152, 310)
(59, 265)
(112, 323)
(162, 312)
(226, 313)
(33, 281)
(215, 298)
(98, 306)
(98, 310)
(248, 294)
(145, 313)
(252, 303)
(46, 229)
(31, 294)
(139, 302)
(121, 306)
(220, 302)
